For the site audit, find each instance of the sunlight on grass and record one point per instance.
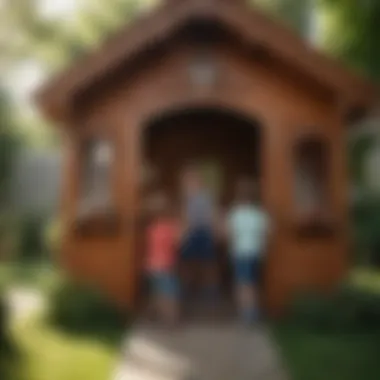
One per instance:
(46, 352)
(367, 279)
(40, 276)
(52, 355)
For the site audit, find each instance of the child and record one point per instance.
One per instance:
(198, 247)
(162, 242)
(247, 227)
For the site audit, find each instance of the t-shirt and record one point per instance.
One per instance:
(162, 239)
(199, 209)
(248, 227)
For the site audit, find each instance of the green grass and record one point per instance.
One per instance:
(40, 276)
(46, 352)
(50, 354)
(367, 279)
(311, 354)
(316, 356)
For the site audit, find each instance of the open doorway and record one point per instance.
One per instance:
(225, 145)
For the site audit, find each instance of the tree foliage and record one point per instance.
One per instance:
(55, 43)
(8, 149)
(352, 32)
(295, 13)
(349, 29)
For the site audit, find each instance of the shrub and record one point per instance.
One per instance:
(53, 237)
(348, 310)
(8, 353)
(8, 236)
(366, 220)
(31, 239)
(81, 310)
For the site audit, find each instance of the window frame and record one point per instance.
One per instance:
(323, 203)
(91, 202)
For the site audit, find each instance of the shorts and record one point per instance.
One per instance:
(246, 271)
(199, 244)
(164, 283)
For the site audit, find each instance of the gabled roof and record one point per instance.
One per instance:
(252, 26)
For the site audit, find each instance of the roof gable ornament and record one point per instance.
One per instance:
(203, 69)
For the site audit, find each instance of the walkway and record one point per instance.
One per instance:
(200, 352)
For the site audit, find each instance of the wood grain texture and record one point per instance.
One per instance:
(148, 114)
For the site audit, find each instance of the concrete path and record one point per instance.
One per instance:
(200, 352)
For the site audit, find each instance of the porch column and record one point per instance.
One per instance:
(277, 195)
(128, 199)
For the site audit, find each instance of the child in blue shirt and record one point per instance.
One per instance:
(247, 228)
(198, 252)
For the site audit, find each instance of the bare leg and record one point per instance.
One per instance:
(246, 299)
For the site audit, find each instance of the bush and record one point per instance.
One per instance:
(8, 352)
(366, 218)
(348, 310)
(81, 310)
(53, 237)
(31, 241)
(8, 236)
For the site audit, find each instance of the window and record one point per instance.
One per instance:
(311, 167)
(97, 157)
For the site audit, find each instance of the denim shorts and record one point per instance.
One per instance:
(199, 244)
(246, 270)
(164, 283)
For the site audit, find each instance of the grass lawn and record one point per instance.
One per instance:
(367, 279)
(48, 354)
(316, 356)
(37, 275)
(312, 355)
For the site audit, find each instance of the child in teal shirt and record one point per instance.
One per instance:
(247, 226)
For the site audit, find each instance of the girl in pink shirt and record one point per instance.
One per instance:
(161, 260)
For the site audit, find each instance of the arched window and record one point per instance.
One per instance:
(311, 175)
(95, 178)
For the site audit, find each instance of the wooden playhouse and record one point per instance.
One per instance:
(215, 81)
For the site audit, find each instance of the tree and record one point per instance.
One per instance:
(8, 151)
(352, 33)
(295, 13)
(55, 43)
(8, 146)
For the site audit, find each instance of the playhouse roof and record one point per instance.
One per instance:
(252, 26)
